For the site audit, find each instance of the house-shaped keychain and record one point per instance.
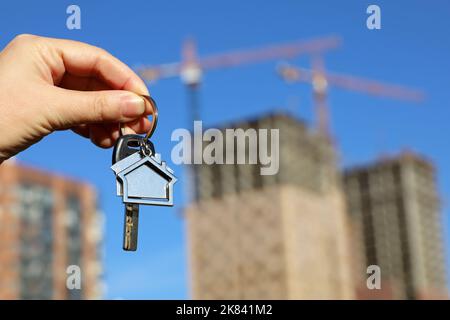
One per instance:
(145, 180)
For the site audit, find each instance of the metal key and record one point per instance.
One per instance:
(131, 226)
(125, 146)
(141, 177)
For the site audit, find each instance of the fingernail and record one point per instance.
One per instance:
(132, 106)
(127, 130)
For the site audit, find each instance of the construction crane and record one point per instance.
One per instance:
(321, 80)
(192, 67)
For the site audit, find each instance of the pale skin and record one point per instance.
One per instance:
(53, 84)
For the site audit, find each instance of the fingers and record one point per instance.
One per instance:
(69, 108)
(73, 82)
(82, 130)
(139, 126)
(91, 84)
(84, 60)
(105, 135)
(102, 137)
(83, 67)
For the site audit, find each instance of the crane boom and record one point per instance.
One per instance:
(236, 58)
(321, 80)
(286, 51)
(349, 82)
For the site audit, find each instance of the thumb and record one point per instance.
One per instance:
(71, 108)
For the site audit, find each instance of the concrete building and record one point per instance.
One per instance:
(48, 223)
(395, 213)
(282, 236)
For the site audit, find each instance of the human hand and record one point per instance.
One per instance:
(53, 84)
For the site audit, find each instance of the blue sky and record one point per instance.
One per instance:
(412, 48)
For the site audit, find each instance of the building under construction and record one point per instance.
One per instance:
(282, 236)
(47, 224)
(395, 213)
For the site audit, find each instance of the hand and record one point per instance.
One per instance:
(53, 84)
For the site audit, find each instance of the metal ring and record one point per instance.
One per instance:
(145, 148)
(154, 118)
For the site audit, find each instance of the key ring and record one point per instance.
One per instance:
(154, 118)
(145, 147)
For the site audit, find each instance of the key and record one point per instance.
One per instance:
(131, 226)
(126, 146)
(141, 177)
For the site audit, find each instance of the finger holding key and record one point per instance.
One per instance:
(54, 84)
